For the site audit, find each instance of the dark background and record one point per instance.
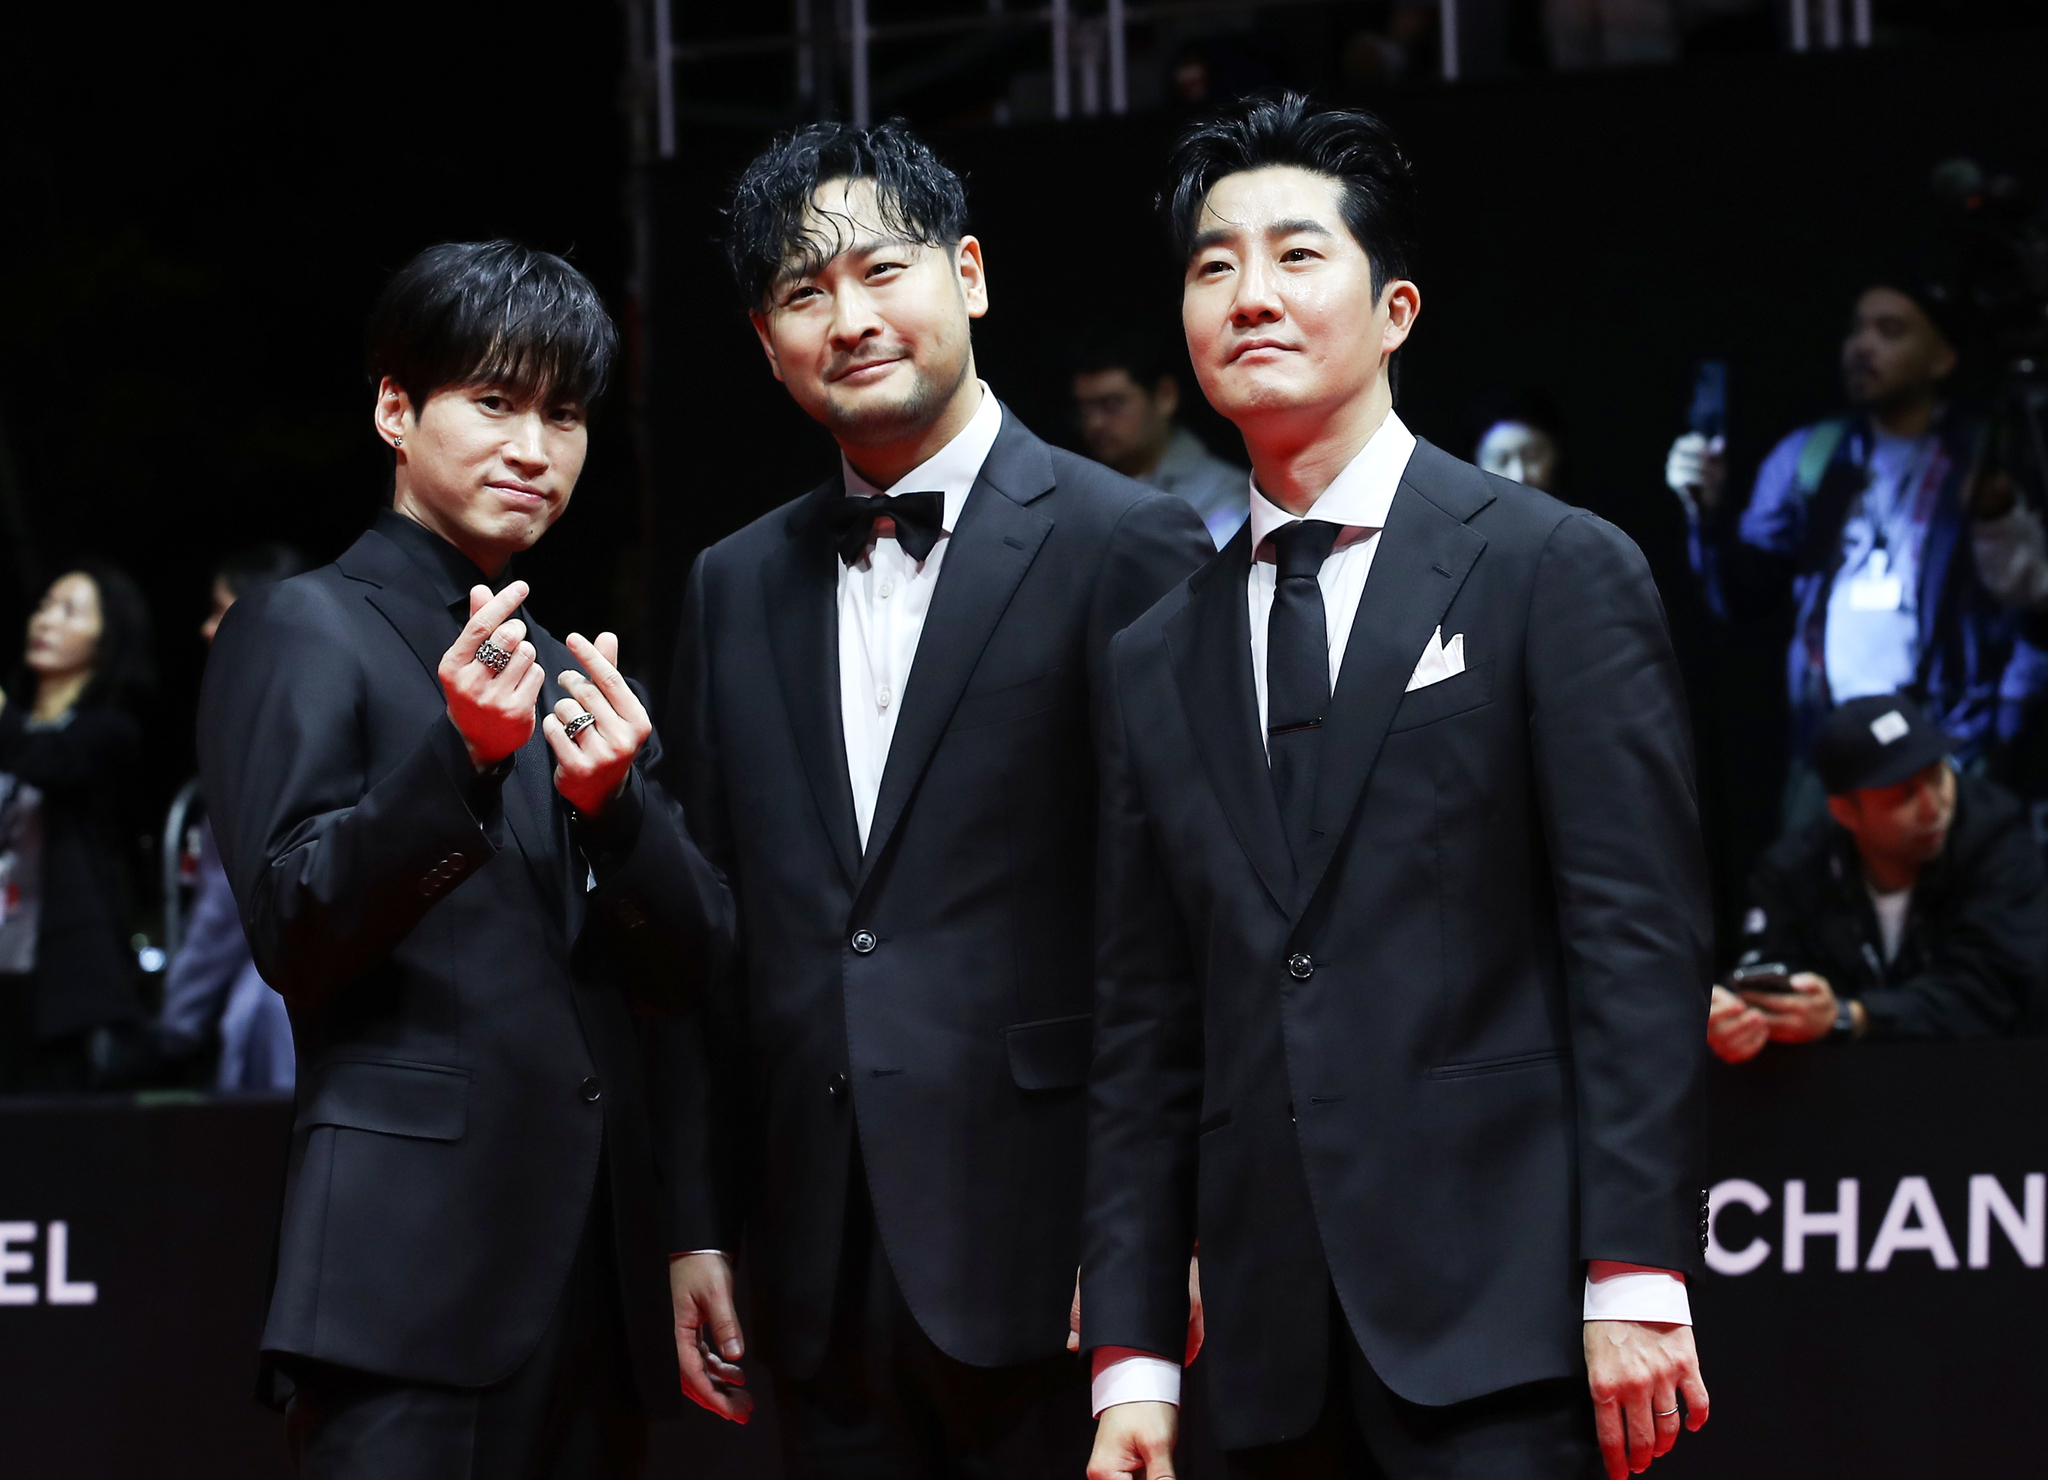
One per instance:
(201, 205)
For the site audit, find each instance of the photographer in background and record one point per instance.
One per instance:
(1862, 520)
(1917, 908)
(1126, 395)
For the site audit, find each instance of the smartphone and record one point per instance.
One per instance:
(1765, 976)
(1708, 414)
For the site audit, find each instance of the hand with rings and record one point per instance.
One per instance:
(598, 729)
(490, 678)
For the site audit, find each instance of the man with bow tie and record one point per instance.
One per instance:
(883, 711)
(1405, 939)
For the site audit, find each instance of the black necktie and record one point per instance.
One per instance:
(920, 520)
(1297, 670)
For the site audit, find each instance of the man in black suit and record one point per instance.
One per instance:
(882, 712)
(469, 1275)
(1405, 936)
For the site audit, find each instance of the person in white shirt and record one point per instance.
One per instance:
(883, 711)
(1404, 931)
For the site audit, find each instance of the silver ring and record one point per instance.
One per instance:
(579, 724)
(492, 656)
(1666, 1412)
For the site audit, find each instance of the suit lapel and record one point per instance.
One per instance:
(1424, 555)
(986, 558)
(1210, 643)
(800, 586)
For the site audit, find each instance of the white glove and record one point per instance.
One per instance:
(1696, 471)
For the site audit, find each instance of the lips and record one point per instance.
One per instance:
(852, 370)
(1256, 344)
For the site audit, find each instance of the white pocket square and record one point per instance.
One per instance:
(1440, 660)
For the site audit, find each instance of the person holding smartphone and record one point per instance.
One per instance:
(1917, 908)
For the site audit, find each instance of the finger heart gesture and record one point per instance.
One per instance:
(491, 678)
(597, 730)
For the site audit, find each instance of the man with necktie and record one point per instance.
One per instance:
(1404, 953)
(882, 708)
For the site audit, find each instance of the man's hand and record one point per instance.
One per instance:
(709, 1343)
(493, 711)
(1736, 1031)
(1801, 1015)
(591, 767)
(1196, 1326)
(1135, 1440)
(1697, 470)
(1637, 1370)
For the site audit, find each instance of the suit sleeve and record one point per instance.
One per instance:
(660, 911)
(1159, 542)
(1145, 1086)
(330, 870)
(1611, 749)
(1985, 955)
(700, 1083)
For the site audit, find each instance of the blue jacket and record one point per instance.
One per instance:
(1975, 670)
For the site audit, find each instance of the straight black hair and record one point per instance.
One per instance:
(123, 661)
(258, 566)
(475, 313)
(1133, 349)
(1350, 146)
(771, 231)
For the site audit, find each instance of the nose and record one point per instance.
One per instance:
(1258, 295)
(853, 319)
(526, 443)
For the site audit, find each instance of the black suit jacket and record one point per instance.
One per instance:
(957, 1038)
(467, 1058)
(1451, 1053)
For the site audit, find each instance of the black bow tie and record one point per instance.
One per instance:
(920, 520)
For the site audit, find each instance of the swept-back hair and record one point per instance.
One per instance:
(1134, 349)
(1350, 146)
(476, 313)
(772, 230)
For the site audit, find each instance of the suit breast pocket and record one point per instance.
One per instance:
(1472, 689)
(994, 706)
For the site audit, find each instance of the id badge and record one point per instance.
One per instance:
(1877, 588)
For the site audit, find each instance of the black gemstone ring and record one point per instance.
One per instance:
(492, 656)
(578, 725)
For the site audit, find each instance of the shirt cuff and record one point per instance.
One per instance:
(1126, 1375)
(1638, 1295)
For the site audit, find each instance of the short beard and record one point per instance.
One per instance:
(873, 426)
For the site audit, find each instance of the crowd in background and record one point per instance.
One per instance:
(1905, 897)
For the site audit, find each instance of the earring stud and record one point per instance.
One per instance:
(398, 441)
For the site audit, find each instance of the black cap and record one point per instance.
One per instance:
(1875, 742)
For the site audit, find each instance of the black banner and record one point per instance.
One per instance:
(1875, 1307)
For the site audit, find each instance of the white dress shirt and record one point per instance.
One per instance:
(1358, 499)
(883, 601)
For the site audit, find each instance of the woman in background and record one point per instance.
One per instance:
(68, 739)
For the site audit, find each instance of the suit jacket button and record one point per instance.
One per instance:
(1301, 966)
(455, 861)
(591, 1091)
(863, 941)
(836, 1087)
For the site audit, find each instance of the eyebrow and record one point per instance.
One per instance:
(1292, 226)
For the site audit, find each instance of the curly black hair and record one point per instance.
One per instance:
(773, 231)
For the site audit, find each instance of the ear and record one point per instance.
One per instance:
(1401, 302)
(1166, 396)
(973, 275)
(760, 322)
(394, 417)
(1845, 811)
